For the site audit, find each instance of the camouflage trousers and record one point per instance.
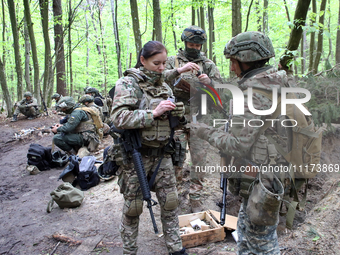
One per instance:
(67, 142)
(255, 239)
(166, 192)
(27, 111)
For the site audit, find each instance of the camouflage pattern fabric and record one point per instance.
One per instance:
(194, 34)
(197, 147)
(27, 107)
(255, 239)
(128, 112)
(249, 47)
(165, 183)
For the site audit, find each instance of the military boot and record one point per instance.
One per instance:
(181, 252)
(15, 118)
(196, 205)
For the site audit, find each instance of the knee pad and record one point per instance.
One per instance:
(171, 201)
(135, 208)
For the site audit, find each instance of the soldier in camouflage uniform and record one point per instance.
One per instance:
(56, 97)
(81, 129)
(249, 53)
(140, 102)
(99, 100)
(192, 66)
(27, 106)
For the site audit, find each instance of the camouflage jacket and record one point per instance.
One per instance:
(170, 74)
(242, 139)
(32, 102)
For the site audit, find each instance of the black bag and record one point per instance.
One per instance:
(39, 156)
(109, 168)
(87, 176)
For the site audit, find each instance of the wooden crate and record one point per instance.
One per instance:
(202, 237)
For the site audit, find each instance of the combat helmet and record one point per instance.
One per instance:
(55, 96)
(28, 94)
(66, 102)
(249, 47)
(194, 34)
(91, 90)
(86, 98)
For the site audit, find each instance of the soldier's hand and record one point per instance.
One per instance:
(204, 78)
(163, 107)
(179, 110)
(188, 67)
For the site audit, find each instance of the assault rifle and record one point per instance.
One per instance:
(195, 92)
(43, 101)
(131, 141)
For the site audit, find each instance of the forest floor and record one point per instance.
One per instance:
(26, 227)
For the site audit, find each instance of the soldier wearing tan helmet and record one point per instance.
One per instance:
(28, 106)
(190, 66)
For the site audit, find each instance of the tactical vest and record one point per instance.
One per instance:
(87, 125)
(156, 136)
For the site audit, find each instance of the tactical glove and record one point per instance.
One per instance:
(179, 110)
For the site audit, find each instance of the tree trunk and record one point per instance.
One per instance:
(248, 13)
(18, 68)
(70, 47)
(320, 36)
(157, 20)
(258, 20)
(193, 12)
(87, 50)
(135, 25)
(265, 17)
(3, 33)
(236, 22)
(27, 58)
(103, 47)
(287, 11)
(44, 21)
(295, 35)
(59, 47)
(202, 24)
(5, 91)
(94, 26)
(34, 49)
(173, 23)
(114, 9)
(211, 29)
(330, 53)
(312, 40)
(337, 51)
(303, 52)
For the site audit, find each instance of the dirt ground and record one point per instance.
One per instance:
(26, 227)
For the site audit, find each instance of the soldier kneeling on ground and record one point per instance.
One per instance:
(28, 106)
(81, 129)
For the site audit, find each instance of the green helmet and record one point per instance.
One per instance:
(194, 34)
(55, 96)
(66, 102)
(86, 98)
(28, 94)
(249, 47)
(91, 90)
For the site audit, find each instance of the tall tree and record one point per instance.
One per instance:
(135, 25)
(12, 15)
(5, 91)
(27, 58)
(157, 20)
(114, 10)
(303, 51)
(202, 23)
(193, 12)
(320, 35)
(211, 30)
(87, 49)
(70, 47)
(295, 35)
(3, 33)
(59, 47)
(33, 48)
(236, 22)
(337, 51)
(173, 23)
(312, 39)
(48, 61)
(258, 16)
(100, 9)
(265, 17)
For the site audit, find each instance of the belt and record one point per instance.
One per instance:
(152, 152)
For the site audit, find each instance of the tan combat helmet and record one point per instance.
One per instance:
(249, 47)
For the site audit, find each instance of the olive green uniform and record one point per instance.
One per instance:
(28, 108)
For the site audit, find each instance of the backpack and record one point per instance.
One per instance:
(66, 196)
(304, 155)
(108, 169)
(39, 156)
(87, 176)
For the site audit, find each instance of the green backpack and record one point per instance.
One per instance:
(66, 196)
